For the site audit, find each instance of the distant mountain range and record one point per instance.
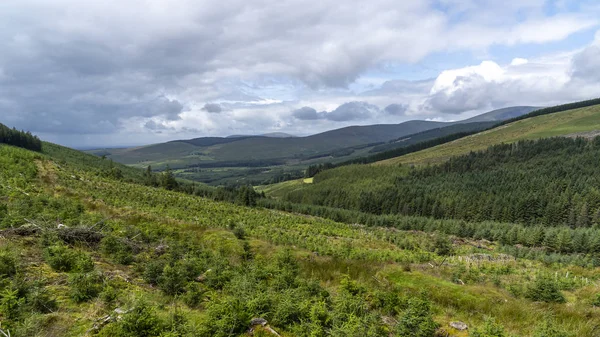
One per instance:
(281, 148)
(270, 135)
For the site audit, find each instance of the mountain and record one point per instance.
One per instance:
(270, 135)
(561, 123)
(188, 152)
(502, 114)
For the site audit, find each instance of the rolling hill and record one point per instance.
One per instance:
(214, 149)
(556, 124)
(276, 157)
(88, 254)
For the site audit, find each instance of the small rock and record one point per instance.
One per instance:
(161, 249)
(120, 311)
(460, 326)
(202, 277)
(258, 321)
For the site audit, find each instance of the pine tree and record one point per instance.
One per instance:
(583, 220)
(149, 177)
(167, 180)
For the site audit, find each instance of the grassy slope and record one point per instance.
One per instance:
(375, 257)
(558, 124)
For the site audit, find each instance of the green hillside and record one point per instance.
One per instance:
(558, 124)
(84, 254)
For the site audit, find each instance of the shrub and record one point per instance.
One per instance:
(141, 321)
(226, 317)
(172, 281)
(194, 294)
(85, 286)
(64, 259)
(60, 257)
(109, 294)
(545, 289)
(11, 304)
(8, 263)
(153, 271)
(417, 321)
(117, 249)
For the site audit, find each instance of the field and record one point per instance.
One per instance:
(559, 124)
(390, 277)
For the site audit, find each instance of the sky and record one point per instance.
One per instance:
(121, 73)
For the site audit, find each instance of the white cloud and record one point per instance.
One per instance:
(68, 66)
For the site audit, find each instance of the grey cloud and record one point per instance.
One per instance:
(152, 125)
(212, 108)
(91, 72)
(396, 109)
(352, 111)
(307, 113)
(471, 93)
(586, 64)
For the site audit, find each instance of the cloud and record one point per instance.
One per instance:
(212, 108)
(586, 64)
(396, 109)
(105, 68)
(352, 111)
(489, 86)
(156, 126)
(306, 113)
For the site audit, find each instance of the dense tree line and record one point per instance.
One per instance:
(19, 138)
(549, 182)
(519, 240)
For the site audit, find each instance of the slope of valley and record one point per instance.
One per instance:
(88, 250)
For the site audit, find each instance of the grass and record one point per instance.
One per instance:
(380, 259)
(559, 124)
(282, 188)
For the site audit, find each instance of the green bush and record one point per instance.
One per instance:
(545, 289)
(109, 294)
(417, 320)
(194, 294)
(117, 249)
(141, 321)
(11, 305)
(172, 281)
(85, 286)
(8, 263)
(64, 259)
(153, 271)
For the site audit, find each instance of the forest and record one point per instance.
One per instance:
(19, 138)
(549, 182)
